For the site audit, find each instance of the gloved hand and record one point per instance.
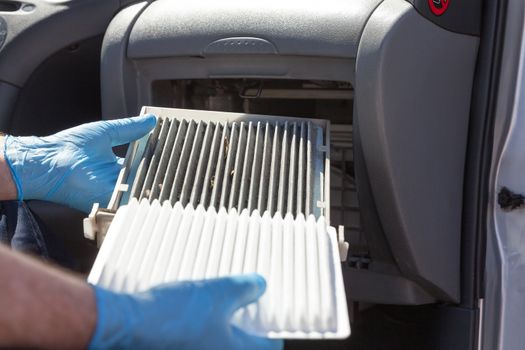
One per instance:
(186, 315)
(75, 167)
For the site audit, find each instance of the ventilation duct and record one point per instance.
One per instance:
(149, 243)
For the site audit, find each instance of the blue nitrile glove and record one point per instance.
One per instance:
(186, 315)
(75, 167)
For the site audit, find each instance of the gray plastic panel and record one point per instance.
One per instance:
(329, 28)
(116, 73)
(33, 34)
(383, 288)
(8, 96)
(461, 16)
(413, 85)
(168, 53)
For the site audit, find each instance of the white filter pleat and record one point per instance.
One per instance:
(212, 269)
(252, 243)
(192, 244)
(129, 241)
(149, 244)
(264, 266)
(229, 243)
(300, 314)
(103, 268)
(312, 271)
(172, 268)
(137, 250)
(327, 320)
(239, 250)
(152, 248)
(251, 258)
(166, 246)
(203, 252)
(275, 290)
(287, 309)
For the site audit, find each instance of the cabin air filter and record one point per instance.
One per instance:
(210, 194)
(149, 244)
(232, 160)
(229, 160)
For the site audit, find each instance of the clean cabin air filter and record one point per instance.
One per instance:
(152, 243)
(232, 160)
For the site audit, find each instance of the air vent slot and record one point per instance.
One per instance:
(10, 6)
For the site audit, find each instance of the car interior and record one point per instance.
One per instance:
(405, 91)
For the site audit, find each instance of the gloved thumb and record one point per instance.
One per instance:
(239, 291)
(122, 131)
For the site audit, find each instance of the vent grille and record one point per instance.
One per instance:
(149, 243)
(344, 202)
(252, 163)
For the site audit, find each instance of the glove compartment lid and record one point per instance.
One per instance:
(329, 28)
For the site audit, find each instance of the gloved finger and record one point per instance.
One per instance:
(238, 291)
(122, 131)
(252, 342)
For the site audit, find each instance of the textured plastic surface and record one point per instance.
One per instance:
(49, 26)
(149, 244)
(460, 16)
(295, 27)
(116, 73)
(166, 40)
(8, 96)
(413, 84)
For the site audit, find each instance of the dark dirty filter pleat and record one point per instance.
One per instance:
(261, 164)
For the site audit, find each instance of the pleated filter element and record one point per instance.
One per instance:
(232, 160)
(149, 244)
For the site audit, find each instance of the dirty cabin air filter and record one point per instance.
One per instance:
(232, 160)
